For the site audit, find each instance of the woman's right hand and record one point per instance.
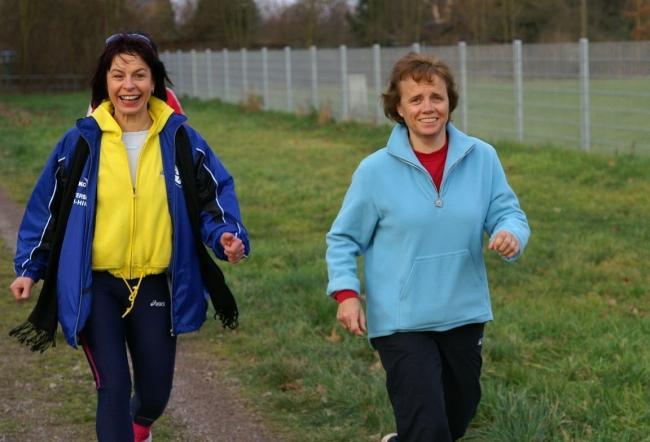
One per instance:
(350, 315)
(21, 288)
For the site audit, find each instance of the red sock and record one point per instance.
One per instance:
(140, 433)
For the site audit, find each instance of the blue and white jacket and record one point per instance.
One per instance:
(422, 246)
(220, 214)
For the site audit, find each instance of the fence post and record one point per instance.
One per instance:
(344, 82)
(287, 69)
(265, 78)
(208, 72)
(462, 61)
(226, 77)
(519, 89)
(244, 77)
(195, 87)
(179, 69)
(376, 62)
(585, 122)
(416, 47)
(314, 78)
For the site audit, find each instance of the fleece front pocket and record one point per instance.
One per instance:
(441, 289)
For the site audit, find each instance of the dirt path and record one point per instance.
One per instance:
(204, 402)
(10, 216)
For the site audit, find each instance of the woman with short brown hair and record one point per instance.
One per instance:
(417, 210)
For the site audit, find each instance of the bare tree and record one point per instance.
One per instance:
(223, 23)
(638, 11)
(156, 17)
(49, 36)
(306, 23)
(26, 23)
(411, 14)
(388, 22)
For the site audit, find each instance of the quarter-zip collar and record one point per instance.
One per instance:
(400, 146)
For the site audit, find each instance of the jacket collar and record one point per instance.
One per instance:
(101, 120)
(158, 111)
(400, 146)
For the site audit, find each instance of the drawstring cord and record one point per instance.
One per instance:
(133, 292)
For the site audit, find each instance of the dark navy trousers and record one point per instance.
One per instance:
(433, 381)
(146, 332)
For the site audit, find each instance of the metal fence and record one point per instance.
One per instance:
(593, 96)
(40, 82)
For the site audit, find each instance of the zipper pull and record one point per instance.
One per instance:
(438, 202)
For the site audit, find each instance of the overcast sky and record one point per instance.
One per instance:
(265, 3)
(266, 6)
(272, 2)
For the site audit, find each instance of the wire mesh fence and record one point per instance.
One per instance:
(593, 96)
(40, 82)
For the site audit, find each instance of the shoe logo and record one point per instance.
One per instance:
(480, 342)
(155, 303)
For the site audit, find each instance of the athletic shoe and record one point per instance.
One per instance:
(141, 433)
(392, 437)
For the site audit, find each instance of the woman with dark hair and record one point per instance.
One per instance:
(171, 99)
(116, 228)
(417, 211)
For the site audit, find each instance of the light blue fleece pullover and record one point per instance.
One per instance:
(422, 248)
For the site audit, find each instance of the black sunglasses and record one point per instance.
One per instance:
(117, 36)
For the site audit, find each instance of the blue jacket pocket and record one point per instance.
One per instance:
(441, 290)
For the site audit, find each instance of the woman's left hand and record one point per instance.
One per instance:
(505, 244)
(233, 247)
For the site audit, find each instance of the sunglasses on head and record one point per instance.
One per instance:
(119, 35)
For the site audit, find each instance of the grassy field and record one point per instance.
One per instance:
(566, 358)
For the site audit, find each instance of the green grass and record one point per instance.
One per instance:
(566, 358)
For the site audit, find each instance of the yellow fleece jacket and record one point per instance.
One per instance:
(133, 228)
